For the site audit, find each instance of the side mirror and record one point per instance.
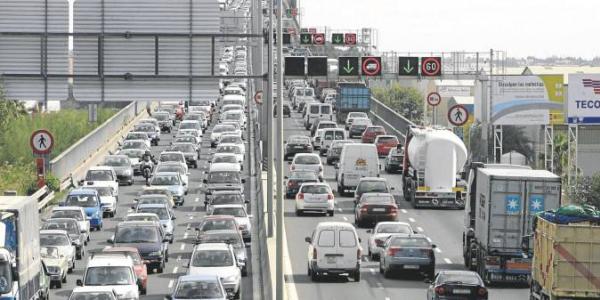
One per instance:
(359, 240)
(393, 188)
(289, 162)
(369, 231)
(82, 231)
(173, 217)
(205, 181)
(285, 177)
(80, 182)
(308, 239)
(433, 246)
(246, 201)
(79, 282)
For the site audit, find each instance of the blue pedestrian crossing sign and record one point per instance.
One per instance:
(513, 204)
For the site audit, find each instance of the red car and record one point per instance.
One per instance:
(385, 143)
(371, 133)
(139, 267)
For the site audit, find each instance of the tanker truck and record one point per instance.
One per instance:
(433, 158)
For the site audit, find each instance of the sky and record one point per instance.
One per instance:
(522, 28)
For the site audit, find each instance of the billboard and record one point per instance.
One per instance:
(527, 100)
(584, 99)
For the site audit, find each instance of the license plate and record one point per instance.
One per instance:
(379, 209)
(461, 291)
(331, 259)
(411, 267)
(298, 147)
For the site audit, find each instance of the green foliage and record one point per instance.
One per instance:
(586, 191)
(406, 101)
(17, 176)
(514, 139)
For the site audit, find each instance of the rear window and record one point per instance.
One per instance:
(326, 238)
(410, 242)
(315, 189)
(372, 187)
(325, 109)
(314, 109)
(387, 139)
(347, 238)
(379, 199)
(307, 160)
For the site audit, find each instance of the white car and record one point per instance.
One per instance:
(307, 162)
(114, 272)
(169, 166)
(108, 199)
(354, 115)
(219, 130)
(237, 116)
(173, 156)
(381, 232)
(73, 212)
(93, 292)
(102, 176)
(152, 121)
(233, 149)
(190, 124)
(228, 107)
(316, 139)
(315, 196)
(191, 132)
(217, 259)
(233, 139)
(238, 211)
(61, 240)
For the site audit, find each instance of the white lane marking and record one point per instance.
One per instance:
(345, 219)
(373, 271)
(129, 211)
(387, 298)
(411, 220)
(448, 261)
(175, 270)
(182, 247)
(340, 209)
(379, 284)
(438, 250)
(179, 257)
(185, 235)
(191, 217)
(404, 211)
(171, 283)
(197, 199)
(420, 229)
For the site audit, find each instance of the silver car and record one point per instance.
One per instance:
(381, 232)
(407, 252)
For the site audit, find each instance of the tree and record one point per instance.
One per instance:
(9, 109)
(406, 101)
(514, 139)
(586, 190)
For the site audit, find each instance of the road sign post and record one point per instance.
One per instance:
(348, 66)
(434, 99)
(431, 66)
(408, 66)
(458, 115)
(41, 142)
(371, 66)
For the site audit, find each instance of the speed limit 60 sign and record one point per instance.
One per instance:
(431, 66)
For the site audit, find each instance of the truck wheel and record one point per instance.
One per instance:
(58, 284)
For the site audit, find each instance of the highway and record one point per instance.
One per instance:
(444, 227)
(159, 285)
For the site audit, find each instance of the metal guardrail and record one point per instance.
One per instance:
(44, 195)
(392, 121)
(66, 162)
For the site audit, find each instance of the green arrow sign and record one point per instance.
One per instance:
(337, 39)
(408, 66)
(305, 38)
(348, 66)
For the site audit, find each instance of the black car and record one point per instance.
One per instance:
(296, 179)
(297, 144)
(148, 237)
(394, 161)
(451, 284)
(287, 111)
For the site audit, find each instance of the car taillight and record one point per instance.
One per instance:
(358, 254)
(314, 253)
(393, 251)
(364, 208)
(440, 290)
(300, 196)
(329, 196)
(482, 291)
(393, 210)
(290, 184)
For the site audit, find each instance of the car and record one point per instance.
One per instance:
(108, 201)
(140, 269)
(297, 144)
(222, 198)
(381, 232)
(315, 196)
(174, 156)
(394, 161)
(141, 217)
(234, 116)
(45, 282)
(236, 127)
(134, 144)
(233, 139)
(217, 259)
(114, 272)
(153, 122)
(375, 207)
(371, 185)
(199, 116)
(146, 236)
(156, 199)
(190, 152)
(164, 121)
(150, 129)
(334, 151)
(328, 137)
(334, 249)
(60, 240)
(165, 216)
(316, 138)
(385, 143)
(73, 212)
(140, 136)
(89, 200)
(176, 167)
(358, 126)
(226, 158)
(122, 166)
(287, 110)
(307, 162)
(233, 149)
(230, 107)
(93, 292)
(369, 135)
(135, 158)
(195, 133)
(295, 179)
(231, 237)
(56, 265)
(71, 226)
(407, 252)
(215, 222)
(242, 218)
(457, 284)
(208, 286)
(217, 131)
(223, 176)
(173, 182)
(317, 111)
(155, 190)
(352, 116)
(189, 139)
(104, 176)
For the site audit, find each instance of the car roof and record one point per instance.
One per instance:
(54, 231)
(230, 205)
(62, 220)
(148, 205)
(307, 154)
(167, 173)
(217, 217)
(226, 192)
(93, 288)
(373, 179)
(211, 246)
(121, 249)
(110, 261)
(62, 208)
(170, 152)
(332, 224)
(408, 235)
(365, 195)
(136, 223)
(82, 191)
(228, 144)
(222, 167)
(199, 277)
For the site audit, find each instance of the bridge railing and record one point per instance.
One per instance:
(393, 122)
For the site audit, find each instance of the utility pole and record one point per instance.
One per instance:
(269, 116)
(279, 283)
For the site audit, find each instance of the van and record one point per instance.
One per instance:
(222, 177)
(329, 136)
(317, 111)
(334, 249)
(356, 161)
(115, 272)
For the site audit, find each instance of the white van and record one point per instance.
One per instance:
(317, 111)
(356, 161)
(114, 272)
(329, 136)
(234, 99)
(334, 249)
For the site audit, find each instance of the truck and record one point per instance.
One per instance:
(351, 96)
(20, 259)
(501, 204)
(566, 260)
(433, 159)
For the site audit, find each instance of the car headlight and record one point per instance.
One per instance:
(155, 253)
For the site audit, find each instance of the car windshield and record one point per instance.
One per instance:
(303, 175)
(223, 128)
(212, 258)
(134, 145)
(417, 242)
(229, 211)
(82, 200)
(372, 187)
(137, 136)
(92, 296)
(233, 139)
(387, 139)
(185, 148)
(226, 199)
(393, 228)
(49, 252)
(72, 214)
(161, 212)
(165, 180)
(69, 227)
(381, 199)
(185, 139)
(49, 239)
(136, 234)
(225, 159)
(229, 149)
(102, 190)
(233, 116)
(136, 217)
(299, 140)
(171, 157)
(315, 189)
(116, 161)
(108, 275)
(156, 191)
(224, 177)
(145, 128)
(218, 224)
(170, 168)
(464, 278)
(161, 117)
(99, 175)
(232, 238)
(152, 200)
(326, 125)
(188, 125)
(132, 153)
(199, 290)
(307, 160)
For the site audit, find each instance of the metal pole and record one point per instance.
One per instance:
(269, 117)
(279, 283)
